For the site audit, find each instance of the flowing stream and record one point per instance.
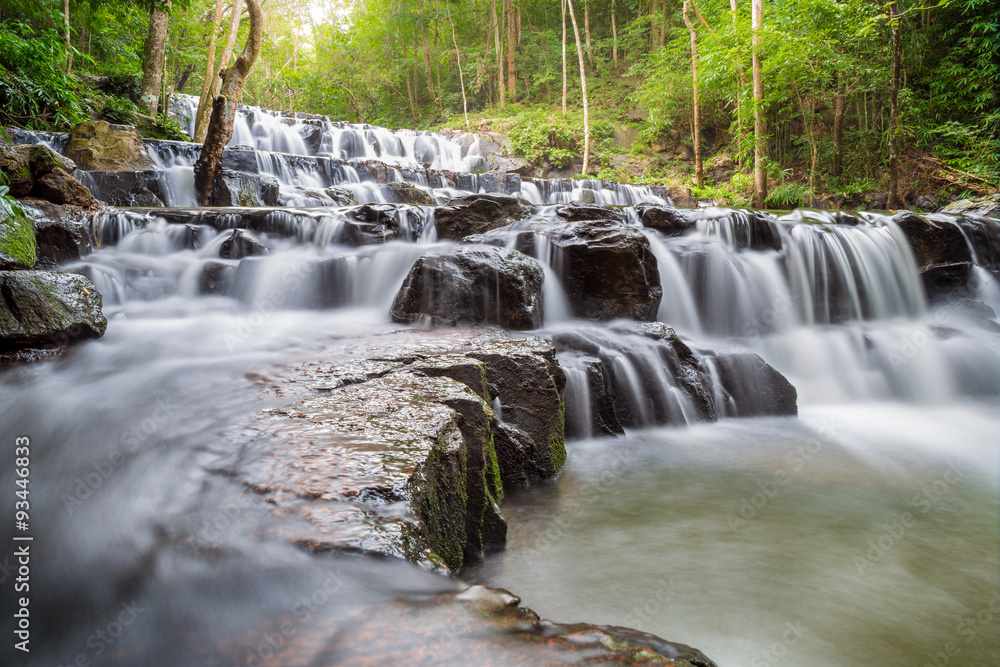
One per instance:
(862, 532)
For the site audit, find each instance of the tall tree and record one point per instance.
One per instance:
(156, 49)
(66, 42)
(458, 58)
(206, 85)
(583, 89)
(565, 86)
(215, 81)
(759, 129)
(614, 35)
(511, 51)
(897, 54)
(220, 126)
(498, 45)
(696, 116)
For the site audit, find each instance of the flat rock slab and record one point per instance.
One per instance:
(402, 454)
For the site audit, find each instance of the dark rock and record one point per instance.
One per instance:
(597, 398)
(44, 309)
(470, 285)
(235, 188)
(933, 242)
(124, 188)
(60, 188)
(14, 165)
(61, 234)
(754, 386)
(215, 278)
(580, 211)
(926, 203)
(948, 282)
(240, 244)
(607, 270)
(666, 220)
(100, 146)
(240, 158)
(341, 196)
(406, 193)
(876, 201)
(374, 224)
(478, 213)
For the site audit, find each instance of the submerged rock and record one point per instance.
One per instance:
(478, 213)
(472, 285)
(44, 309)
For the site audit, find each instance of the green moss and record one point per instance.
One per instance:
(443, 501)
(497, 490)
(557, 437)
(17, 237)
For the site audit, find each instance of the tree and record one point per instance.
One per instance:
(220, 126)
(204, 108)
(897, 48)
(760, 138)
(583, 88)
(210, 71)
(696, 119)
(156, 49)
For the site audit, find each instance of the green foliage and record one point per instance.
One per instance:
(541, 136)
(788, 195)
(120, 110)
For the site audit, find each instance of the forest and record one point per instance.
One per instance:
(654, 91)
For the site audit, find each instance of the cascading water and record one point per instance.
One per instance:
(749, 538)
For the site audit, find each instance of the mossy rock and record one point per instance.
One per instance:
(17, 240)
(406, 193)
(45, 309)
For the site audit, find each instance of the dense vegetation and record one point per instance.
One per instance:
(826, 69)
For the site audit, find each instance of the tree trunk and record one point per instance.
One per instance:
(511, 52)
(220, 126)
(67, 46)
(696, 122)
(214, 80)
(565, 86)
(838, 128)
(760, 140)
(614, 34)
(741, 84)
(152, 64)
(206, 85)
(897, 54)
(458, 57)
(501, 89)
(586, 31)
(583, 89)
(183, 79)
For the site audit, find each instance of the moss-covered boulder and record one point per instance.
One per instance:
(44, 309)
(14, 165)
(472, 285)
(406, 193)
(100, 146)
(17, 239)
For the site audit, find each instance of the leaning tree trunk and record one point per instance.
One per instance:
(696, 123)
(760, 140)
(152, 64)
(220, 126)
(897, 49)
(583, 89)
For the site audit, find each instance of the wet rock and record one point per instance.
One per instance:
(45, 309)
(754, 386)
(236, 188)
(14, 165)
(215, 278)
(948, 282)
(341, 196)
(60, 188)
(478, 213)
(100, 146)
(607, 270)
(985, 206)
(471, 285)
(240, 158)
(876, 201)
(240, 244)
(376, 223)
(666, 220)
(125, 188)
(406, 193)
(61, 234)
(580, 211)
(933, 242)
(17, 240)
(682, 197)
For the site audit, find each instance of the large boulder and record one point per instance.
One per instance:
(17, 239)
(607, 270)
(100, 146)
(665, 219)
(933, 242)
(125, 188)
(62, 234)
(59, 187)
(406, 193)
(42, 309)
(237, 188)
(14, 165)
(478, 213)
(472, 285)
(986, 206)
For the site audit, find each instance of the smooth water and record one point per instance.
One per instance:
(852, 535)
